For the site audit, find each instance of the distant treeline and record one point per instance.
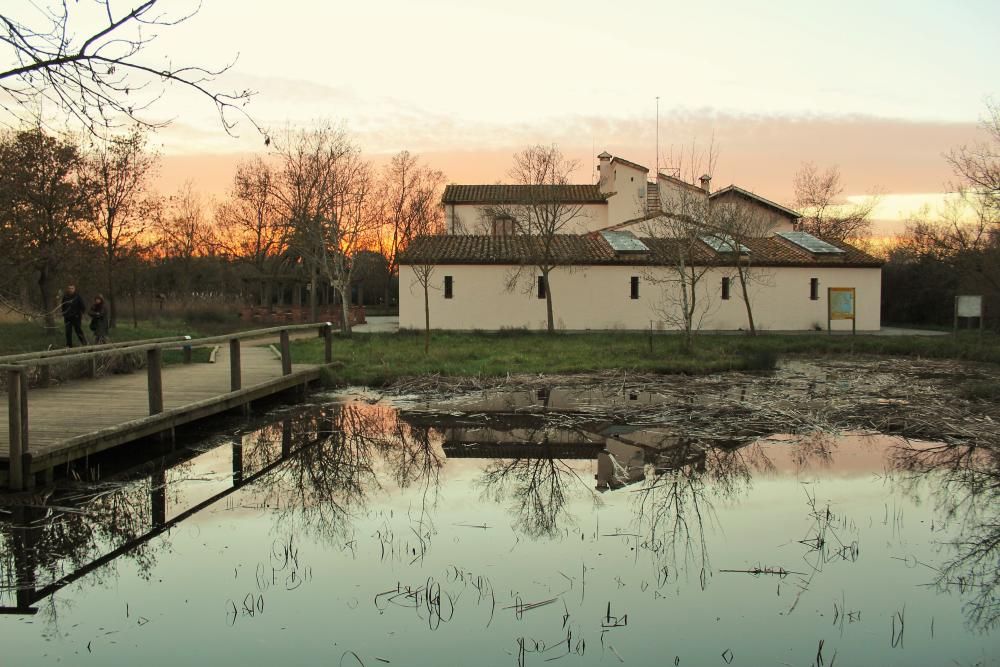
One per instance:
(310, 222)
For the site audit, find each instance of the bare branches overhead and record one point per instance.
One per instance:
(818, 197)
(90, 61)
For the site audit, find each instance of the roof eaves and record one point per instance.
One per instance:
(629, 163)
(753, 195)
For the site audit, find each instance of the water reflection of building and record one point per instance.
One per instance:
(529, 424)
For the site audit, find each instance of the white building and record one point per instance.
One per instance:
(609, 274)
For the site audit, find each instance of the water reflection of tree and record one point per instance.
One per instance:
(538, 488)
(335, 457)
(105, 516)
(964, 483)
(677, 498)
(41, 545)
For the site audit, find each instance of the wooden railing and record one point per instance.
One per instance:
(16, 367)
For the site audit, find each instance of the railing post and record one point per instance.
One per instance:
(286, 353)
(158, 497)
(237, 464)
(154, 378)
(235, 375)
(26, 468)
(15, 425)
(328, 342)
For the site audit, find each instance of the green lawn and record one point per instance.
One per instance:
(21, 337)
(380, 359)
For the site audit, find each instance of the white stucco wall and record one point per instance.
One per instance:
(597, 297)
(779, 222)
(469, 219)
(677, 197)
(629, 199)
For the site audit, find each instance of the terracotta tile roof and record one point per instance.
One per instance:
(522, 194)
(681, 182)
(629, 163)
(593, 249)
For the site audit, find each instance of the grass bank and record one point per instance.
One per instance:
(381, 359)
(19, 337)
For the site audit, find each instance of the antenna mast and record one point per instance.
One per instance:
(656, 174)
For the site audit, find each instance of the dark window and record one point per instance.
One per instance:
(814, 288)
(635, 287)
(448, 287)
(541, 287)
(725, 288)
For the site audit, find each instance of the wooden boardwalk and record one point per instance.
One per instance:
(81, 417)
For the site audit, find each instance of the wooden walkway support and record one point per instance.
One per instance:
(27, 522)
(82, 417)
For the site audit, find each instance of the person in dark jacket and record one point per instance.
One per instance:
(99, 320)
(72, 312)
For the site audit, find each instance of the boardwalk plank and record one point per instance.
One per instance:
(81, 407)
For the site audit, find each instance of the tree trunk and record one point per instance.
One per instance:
(109, 298)
(345, 308)
(746, 300)
(551, 328)
(427, 319)
(313, 316)
(135, 290)
(47, 307)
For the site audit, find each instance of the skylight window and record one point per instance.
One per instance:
(810, 243)
(624, 242)
(724, 243)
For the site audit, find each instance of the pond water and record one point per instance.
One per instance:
(514, 528)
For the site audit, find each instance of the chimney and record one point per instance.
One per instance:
(604, 170)
(706, 182)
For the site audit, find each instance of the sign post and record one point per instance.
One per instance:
(968, 306)
(840, 306)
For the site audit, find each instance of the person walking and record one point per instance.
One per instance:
(99, 320)
(72, 312)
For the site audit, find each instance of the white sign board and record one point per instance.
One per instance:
(969, 306)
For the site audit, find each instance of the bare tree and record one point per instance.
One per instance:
(540, 215)
(351, 231)
(978, 166)
(824, 213)
(251, 228)
(684, 212)
(90, 60)
(117, 173)
(184, 233)
(42, 204)
(965, 233)
(408, 207)
(733, 227)
(308, 161)
(325, 191)
(683, 304)
(422, 275)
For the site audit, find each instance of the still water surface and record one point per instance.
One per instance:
(358, 532)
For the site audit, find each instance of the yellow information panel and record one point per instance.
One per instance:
(841, 300)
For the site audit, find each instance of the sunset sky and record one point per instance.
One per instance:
(881, 89)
